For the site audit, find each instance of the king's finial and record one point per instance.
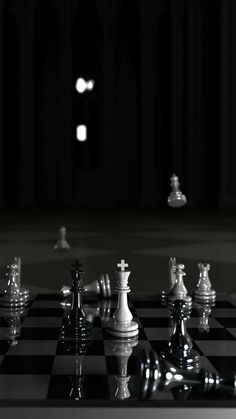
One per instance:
(122, 265)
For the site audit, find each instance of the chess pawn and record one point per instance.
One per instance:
(62, 245)
(154, 373)
(13, 297)
(123, 350)
(180, 348)
(122, 325)
(179, 291)
(204, 290)
(176, 198)
(101, 287)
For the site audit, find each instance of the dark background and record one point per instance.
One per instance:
(163, 102)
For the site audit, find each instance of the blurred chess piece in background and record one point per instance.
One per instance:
(62, 245)
(176, 198)
(14, 295)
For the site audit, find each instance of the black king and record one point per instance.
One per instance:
(75, 324)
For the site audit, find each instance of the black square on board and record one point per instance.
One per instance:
(94, 386)
(26, 365)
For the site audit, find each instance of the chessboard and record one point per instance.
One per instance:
(39, 367)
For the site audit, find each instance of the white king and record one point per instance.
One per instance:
(122, 325)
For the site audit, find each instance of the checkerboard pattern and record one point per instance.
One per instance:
(42, 366)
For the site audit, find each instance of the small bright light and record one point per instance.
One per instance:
(81, 133)
(90, 84)
(178, 377)
(80, 85)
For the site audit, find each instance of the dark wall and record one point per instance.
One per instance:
(163, 102)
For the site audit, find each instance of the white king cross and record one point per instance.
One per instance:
(122, 265)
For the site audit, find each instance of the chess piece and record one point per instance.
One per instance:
(23, 291)
(13, 319)
(180, 348)
(154, 373)
(122, 350)
(176, 198)
(102, 310)
(75, 324)
(14, 295)
(172, 278)
(62, 245)
(172, 269)
(204, 290)
(122, 325)
(204, 311)
(179, 291)
(101, 287)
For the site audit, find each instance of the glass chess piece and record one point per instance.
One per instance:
(75, 324)
(154, 373)
(14, 295)
(176, 198)
(180, 350)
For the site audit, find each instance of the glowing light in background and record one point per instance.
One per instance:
(82, 85)
(81, 133)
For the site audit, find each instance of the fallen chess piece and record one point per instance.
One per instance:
(180, 347)
(179, 291)
(176, 198)
(14, 295)
(204, 289)
(122, 323)
(154, 373)
(62, 245)
(102, 287)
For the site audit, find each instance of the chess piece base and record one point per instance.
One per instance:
(208, 295)
(123, 329)
(177, 200)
